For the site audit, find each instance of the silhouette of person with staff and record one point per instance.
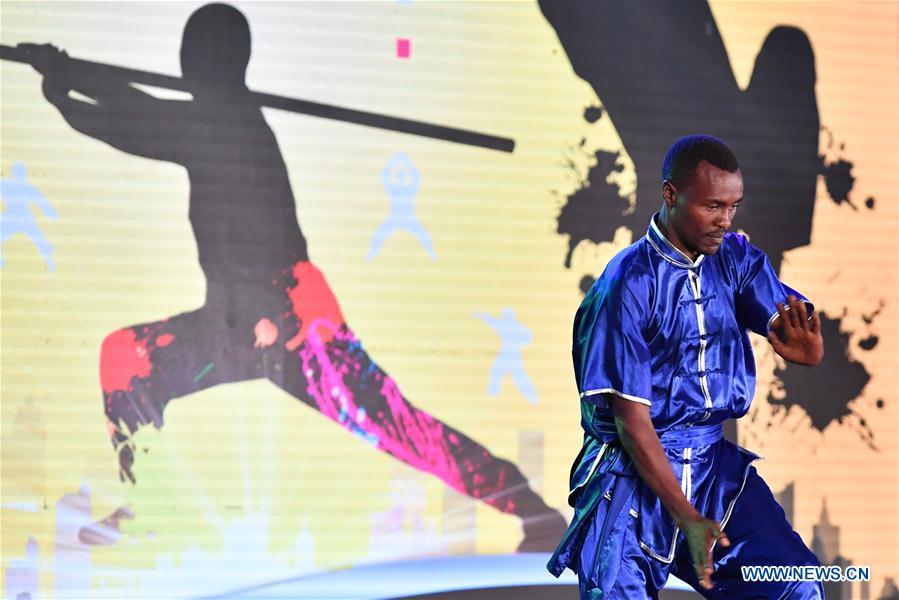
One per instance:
(268, 312)
(662, 72)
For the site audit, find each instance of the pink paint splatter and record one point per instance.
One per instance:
(123, 356)
(403, 48)
(164, 340)
(417, 439)
(266, 333)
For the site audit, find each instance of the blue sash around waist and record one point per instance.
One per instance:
(691, 437)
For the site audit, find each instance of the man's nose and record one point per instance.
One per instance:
(724, 219)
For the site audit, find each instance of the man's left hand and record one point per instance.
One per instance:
(45, 58)
(797, 337)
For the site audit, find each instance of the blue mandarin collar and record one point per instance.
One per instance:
(666, 249)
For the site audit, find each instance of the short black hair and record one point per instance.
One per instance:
(687, 152)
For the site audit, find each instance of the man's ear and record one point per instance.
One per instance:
(669, 193)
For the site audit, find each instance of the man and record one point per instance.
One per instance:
(269, 312)
(662, 357)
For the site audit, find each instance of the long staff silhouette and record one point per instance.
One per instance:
(20, 54)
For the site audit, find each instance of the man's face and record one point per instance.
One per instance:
(702, 212)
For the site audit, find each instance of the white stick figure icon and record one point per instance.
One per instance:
(18, 195)
(513, 337)
(400, 179)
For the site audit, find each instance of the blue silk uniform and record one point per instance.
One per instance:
(672, 333)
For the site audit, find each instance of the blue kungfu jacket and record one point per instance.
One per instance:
(672, 333)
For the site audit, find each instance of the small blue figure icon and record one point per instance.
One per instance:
(18, 195)
(513, 337)
(400, 178)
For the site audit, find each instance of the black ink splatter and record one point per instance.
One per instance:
(587, 282)
(868, 319)
(870, 203)
(826, 393)
(868, 343)
(880, 403)
(592, 114)
(838, 179)
(595, 209)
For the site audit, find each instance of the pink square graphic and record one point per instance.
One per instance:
(403, 48)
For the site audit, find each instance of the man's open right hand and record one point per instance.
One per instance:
(701, 534)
